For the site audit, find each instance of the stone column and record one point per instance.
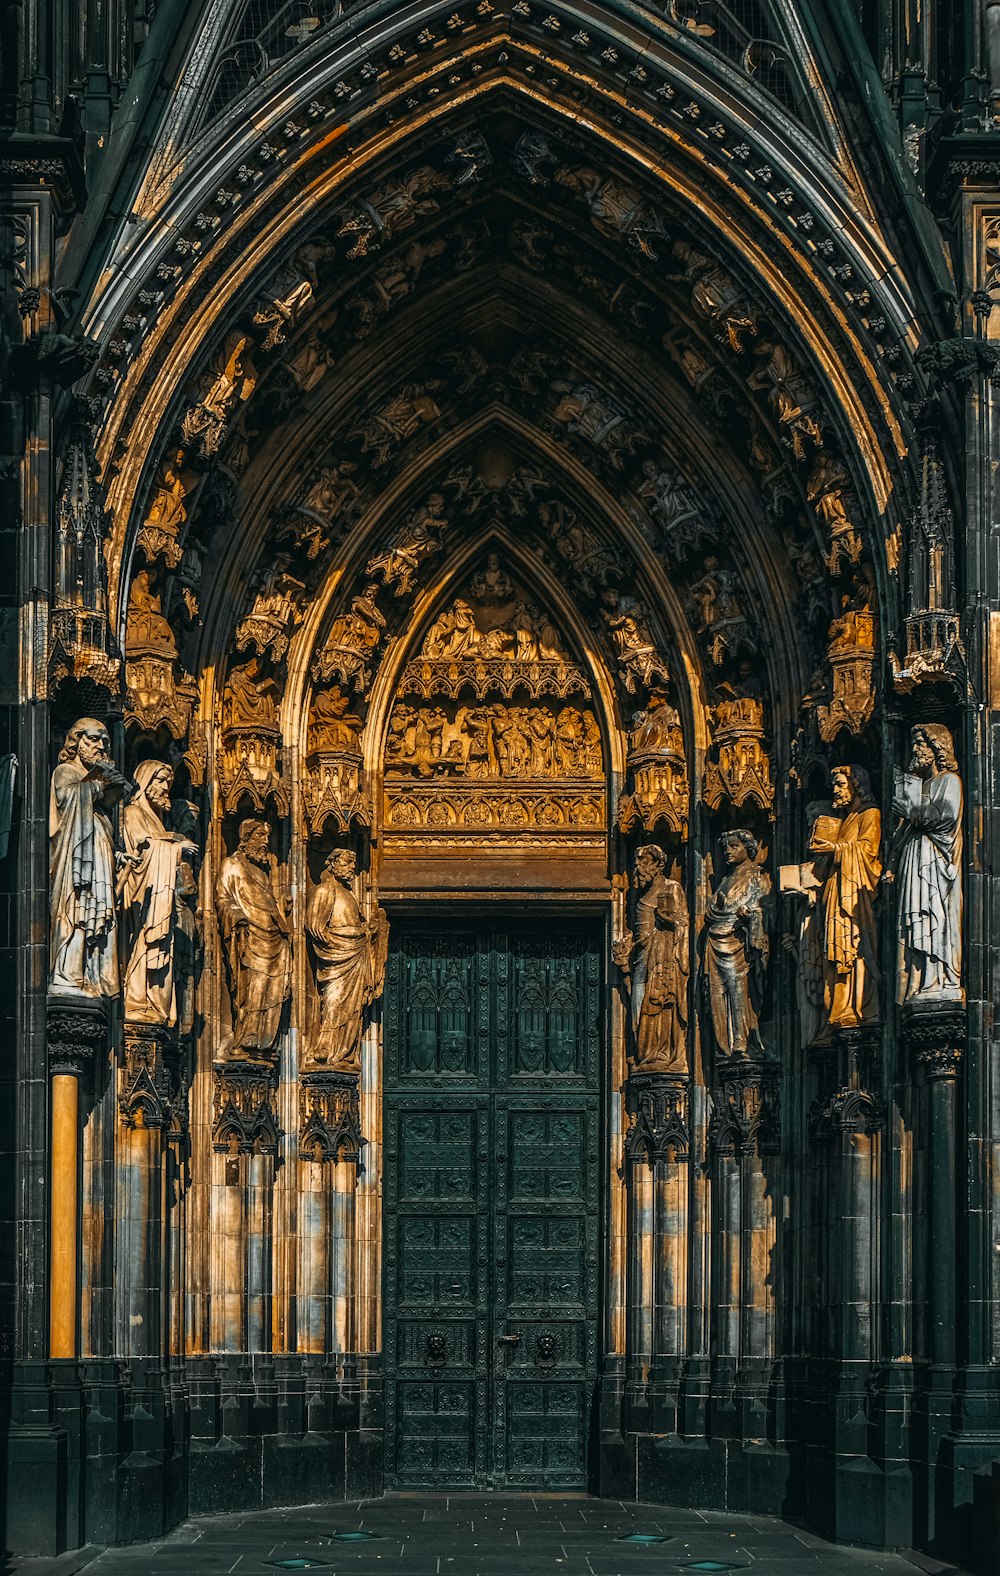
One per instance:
(846, 1122)
(245, 1138)
(77, 1032)
(330, 1141)
(744, 1130)
(148, 1084)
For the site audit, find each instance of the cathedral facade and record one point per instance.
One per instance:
(499, 802)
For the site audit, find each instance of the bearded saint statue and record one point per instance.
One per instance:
(156, 886)
(350, 963)
(83, 957)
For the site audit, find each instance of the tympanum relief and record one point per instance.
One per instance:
(491, 700)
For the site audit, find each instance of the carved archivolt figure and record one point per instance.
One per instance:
(254, 930)
(929, 846)
(157, 885)
(657, 964)
(331, 725)
(146, 629)
(737, 947)
(851, 843)
(350, 963)
(83, 958)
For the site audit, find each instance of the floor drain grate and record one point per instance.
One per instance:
(712, 1565)
(299, 1562)
(644, 1537)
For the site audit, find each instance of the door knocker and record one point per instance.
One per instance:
(435, 1349)
(546, 1352)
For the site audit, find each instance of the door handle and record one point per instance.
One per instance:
(509, 1340)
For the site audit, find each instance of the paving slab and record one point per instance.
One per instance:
(482, 1535)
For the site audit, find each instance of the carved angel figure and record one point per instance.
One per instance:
(229, 381)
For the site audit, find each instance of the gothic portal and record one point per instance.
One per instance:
(498, 821)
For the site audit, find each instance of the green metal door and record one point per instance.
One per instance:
(492, 1166)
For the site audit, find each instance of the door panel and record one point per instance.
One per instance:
(491, 1199)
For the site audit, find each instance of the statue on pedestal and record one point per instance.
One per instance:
(929, 800)
(350, 963)
(851, 844)
(157, 884)
(254, 928)
(737, 947)
(83, 956)
(655, 962)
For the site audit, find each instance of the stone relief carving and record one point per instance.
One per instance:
(253, 922)
(228, 382)
(927, 861)
(851, 657)
(716, 295)
(658, 771)
(158, 890)
(159, 692)
(740, 774)
(350, 955)
(419, 539)
(737, 948)
(333, 787)
(268, 626)
(790, 395)
(722, 624)
(829, 492)
(639, 660)
(529, 742)
(83, 933)
(656, 966)
(285, 300)
(166, 514)
(353, 639)
(400, 418)
(251, 742)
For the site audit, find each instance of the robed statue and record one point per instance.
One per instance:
(737, 948)
(254, 926)
(850, 845)
(928, 848)
(350, 963)
(157, 886)
(656, 965)
(83, 939)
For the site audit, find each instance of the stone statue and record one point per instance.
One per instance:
(737, 947)
(803, 882)
(350, 963)
(254, 930)
(851, 844)
(656, 963)
(156, 888)
(83, 956)
(928, 798)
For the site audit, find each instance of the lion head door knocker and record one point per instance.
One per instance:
(435, 1349)
(546, 1352)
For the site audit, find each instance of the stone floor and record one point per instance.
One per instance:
(483, 1535)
